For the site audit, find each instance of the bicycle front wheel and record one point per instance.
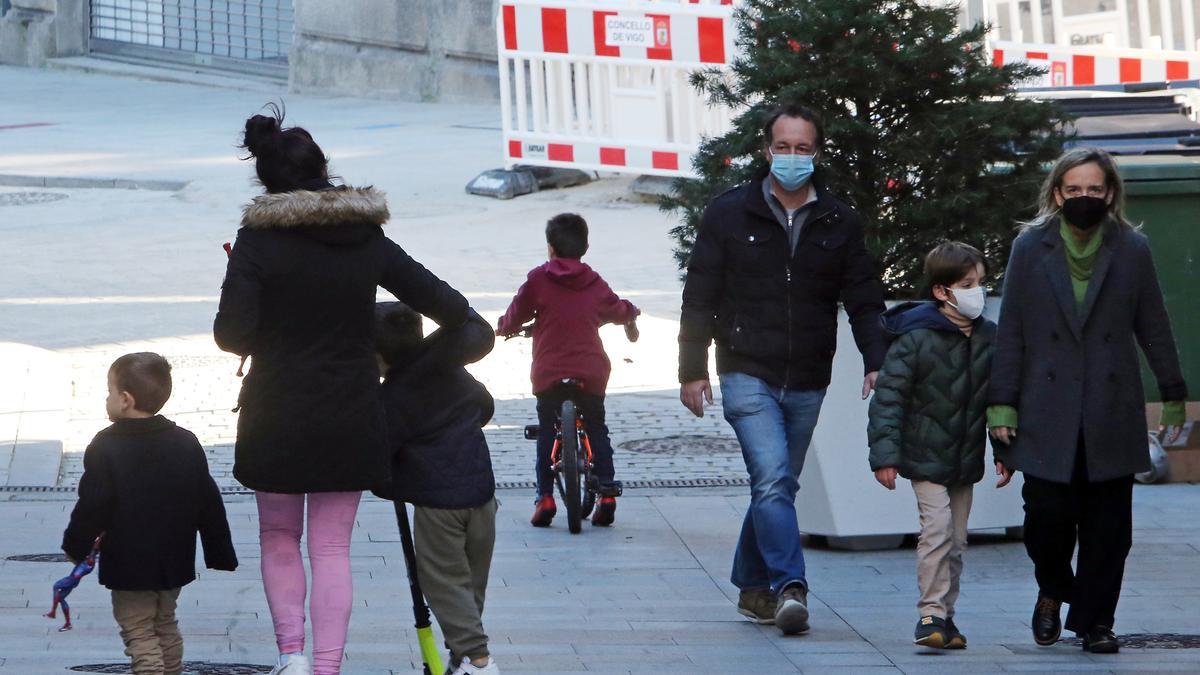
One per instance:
(572, 476)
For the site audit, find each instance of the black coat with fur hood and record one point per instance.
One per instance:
(299, 299)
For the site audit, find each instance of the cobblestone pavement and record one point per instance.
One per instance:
(100, 272)
(649, 595)
(654, 437)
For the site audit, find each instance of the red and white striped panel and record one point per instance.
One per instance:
(702, 34)
(1082, 67)
(599, 156)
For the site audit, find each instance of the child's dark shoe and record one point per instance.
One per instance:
(931, 632)
(606, 512)
(543, 511)
(954, 638)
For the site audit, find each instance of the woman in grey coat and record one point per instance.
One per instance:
(1080, 296)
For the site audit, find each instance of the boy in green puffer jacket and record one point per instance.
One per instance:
(928, 423)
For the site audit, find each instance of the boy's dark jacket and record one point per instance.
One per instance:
(146, 486)
(435, 414)
(928, 417)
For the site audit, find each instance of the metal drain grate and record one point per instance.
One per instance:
(26, 198)
(189, 668)
(40, 557)
(684, 445)
(1151, 641)
(500, 485)
(635, 484)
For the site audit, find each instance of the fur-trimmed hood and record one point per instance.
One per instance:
(312, 209)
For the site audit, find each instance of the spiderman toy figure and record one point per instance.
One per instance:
(64, 586)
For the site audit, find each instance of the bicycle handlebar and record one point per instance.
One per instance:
(631, 331)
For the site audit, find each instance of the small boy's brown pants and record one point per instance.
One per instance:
(150, 630)
(944, 512)
(454, 557)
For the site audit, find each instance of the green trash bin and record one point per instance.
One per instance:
(1163, 195)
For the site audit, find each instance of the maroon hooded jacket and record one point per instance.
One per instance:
(570, 302)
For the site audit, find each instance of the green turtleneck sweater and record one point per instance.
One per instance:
(1081, 261)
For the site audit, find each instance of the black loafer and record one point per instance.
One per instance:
(1101, 640)
(1047, 625)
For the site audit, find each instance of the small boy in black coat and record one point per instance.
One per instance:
(147, 489)
(440, 464)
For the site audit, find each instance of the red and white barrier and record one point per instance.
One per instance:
(600, 157)
(1092, 66)
(603, 85)
(578, 29)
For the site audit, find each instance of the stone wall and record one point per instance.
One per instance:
(35, 30)
(421, 50)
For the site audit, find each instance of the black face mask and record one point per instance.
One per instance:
(1085, 212)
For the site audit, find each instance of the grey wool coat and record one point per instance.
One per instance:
(1068, 369)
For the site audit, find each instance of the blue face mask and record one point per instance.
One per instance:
(792, 171)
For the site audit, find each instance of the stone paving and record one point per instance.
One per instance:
(105, 272)
(94, 273)
(649, 595)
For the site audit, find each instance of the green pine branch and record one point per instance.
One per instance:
(925, 136)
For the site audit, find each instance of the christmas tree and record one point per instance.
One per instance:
(926, 138)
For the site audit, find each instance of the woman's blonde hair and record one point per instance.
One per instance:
(1049, 211)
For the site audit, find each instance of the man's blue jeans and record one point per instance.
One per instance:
(774, 427)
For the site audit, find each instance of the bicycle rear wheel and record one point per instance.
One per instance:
(572, 476)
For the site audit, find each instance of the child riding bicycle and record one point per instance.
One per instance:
(569, 302)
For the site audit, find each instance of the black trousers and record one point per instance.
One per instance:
(549, 405)
(1099, 517)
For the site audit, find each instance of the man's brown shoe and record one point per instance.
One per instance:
(1047, 625)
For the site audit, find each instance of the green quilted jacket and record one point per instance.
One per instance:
(928, 417)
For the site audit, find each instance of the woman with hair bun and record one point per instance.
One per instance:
(299, 297)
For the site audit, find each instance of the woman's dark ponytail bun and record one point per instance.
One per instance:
(285, 160)
(261, 132)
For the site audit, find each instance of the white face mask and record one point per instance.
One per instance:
(970, 301)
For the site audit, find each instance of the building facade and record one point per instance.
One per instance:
(432, 50)
(445, 50)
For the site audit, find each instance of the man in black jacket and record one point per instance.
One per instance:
(147, 489)
(772, 259)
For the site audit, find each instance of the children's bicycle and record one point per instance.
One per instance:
(571, 462)
(571, 457)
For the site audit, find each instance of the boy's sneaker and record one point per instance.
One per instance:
(606, 512)
(292, 664)
(954, 637)
(468, 668)
(791, 610)
(543, 511)
(758, 605)
(932, 632)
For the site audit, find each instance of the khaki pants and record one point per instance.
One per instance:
(150, 631)
(944, 512)
(454, 556)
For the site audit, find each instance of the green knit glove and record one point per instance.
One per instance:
(1003, 416)
(1174, 414)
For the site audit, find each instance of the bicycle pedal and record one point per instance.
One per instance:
(612, 488)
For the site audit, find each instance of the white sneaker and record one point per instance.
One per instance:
(468, 668)
(292, 664)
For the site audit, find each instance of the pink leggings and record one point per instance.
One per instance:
(280, 525)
